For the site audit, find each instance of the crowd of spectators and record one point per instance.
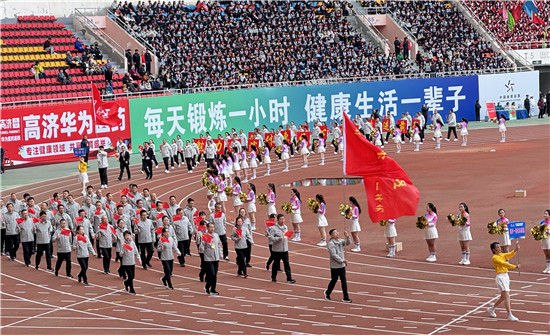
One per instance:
(526, 34)
(449, 40)
(219, 43)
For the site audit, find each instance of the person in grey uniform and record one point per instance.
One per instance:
(210, 247)
(239, 235)
(280, 249)
(451, 121)
(166, 151)
(9, 221)
(218, 218)
(106, 235)
(337, 263)
(63, 239)
(83, 248)
(128, 254)
(166, 247)
(26, 233)
(184, 229)
(146, 235)
(43, 237)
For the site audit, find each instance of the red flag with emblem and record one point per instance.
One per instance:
(269, 223)
(105, 113)
(239, 232)
(116, 216)
(112, 230)
(124, 191)
(35, 220)
(165, 205)
(79, 219)
(103, 226)
(164, 240)
(197, 220)
(207, 238)
(218, 214)
(128, 247)
(159, 230)
(176, 217)
(159, 216)
(390, 192)
(81, 238)
(289, 234)
(66, 232)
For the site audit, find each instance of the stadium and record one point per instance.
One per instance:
(275, 167)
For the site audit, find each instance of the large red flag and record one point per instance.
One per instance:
(390, 192)
(105, 112)
(537, 19)
(516, 11)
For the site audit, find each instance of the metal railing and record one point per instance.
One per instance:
(528, 45)
(128, 29)
(360, 14)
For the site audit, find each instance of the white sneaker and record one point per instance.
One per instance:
(416, 150)
(322, 244)
(431, 259)
(447, 140)
(466, 262)
(390, 255)
(491, 312)
(296, 239)
(166, 171)
(322, 163)
(433, 139)
(456, 139)
(461, 261)
(156, 167)
(356, 249)
(285, 170)
(278, 160)
(403, 142)
(463, 144)
(512, 318)
(546, 270)
(142, 171)
(172, 167)
(335, 153)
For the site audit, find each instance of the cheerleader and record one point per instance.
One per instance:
(464, 235)
(251, 204)
(210, 179)
(437, 134)
(303, 150)
(229, 163)
(390, 233)
(83, 249)
(267, 159)
(377, 139)
(355, 228)
(296, 217)
(236, 191)
(250, 238)
(503, 239)
(222, 197)
(416, 136)
(167, 246)
(464, 131)
(502, 130)
(545, 243)
(321, 148)
(271, 199)
(341, 147)
(253, 161)
(284, 154)
(397, 139)
(236, 164)
(244, 163)
(322, 220)
(430, 232)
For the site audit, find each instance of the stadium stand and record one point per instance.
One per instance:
(228, 43)
(449, 40)
(525, 35)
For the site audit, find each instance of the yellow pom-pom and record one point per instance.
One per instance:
(384, 223)
(452, 219)
(286, 207)
(462, 221)
(228, 191)
(492, 228)
(242, 196)
(421, 222)
(262, 198)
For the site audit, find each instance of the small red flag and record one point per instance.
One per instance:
(51, 200)
(116, 217)
(54, 211)
(197, 220)
(201, 228)
(218, 214)
(19, 221)
(79, 219)
(31, 210)
(153, 204)
(136, 220)
(196, 213)
(130, 195)
(140, 147)
(159, 230)
(128, 247)
(103, 226)
(269, 223)
(159, 216)
(165, 205)
(35, 220)
(124, 191)
(537, 19)
(81, 238)
(66, 232)
(118, 204)
(207, 238)
(97, 212)
(289, 234)
(164, 240)
(107, 206)
(112, 230)
(176, 217)
(239, 232)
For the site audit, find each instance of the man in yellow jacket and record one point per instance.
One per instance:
(502, 280)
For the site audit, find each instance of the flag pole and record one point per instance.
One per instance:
(344, 164)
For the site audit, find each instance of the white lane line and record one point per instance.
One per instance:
(462, 316)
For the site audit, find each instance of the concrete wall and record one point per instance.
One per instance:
(13, 8)
(391, 30)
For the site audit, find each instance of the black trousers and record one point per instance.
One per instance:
(63, 257)
(166, 163)
(167, 267)
(27, 251)
(209, 162)
(148, 168)
(103, 176)
(223, 239)
(270, 259)
(83, 262)
(248, 252)
(451, 129)
(335, 144)
(422, 134)
(12, 245)
(211, 275)
(183, 247)
(189, 162)
(202, 272)
(154, 159)
(240, 261)
(173, 159)
(180, 156)
(2, 240)
(124, 166)
(146, 247)
(277, 258)
(106, 254)
(334, 275)
(129, 271)
(541, 113)
(41, 249)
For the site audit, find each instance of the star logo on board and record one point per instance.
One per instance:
(509, 86)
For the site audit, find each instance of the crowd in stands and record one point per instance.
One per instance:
(526, 34)
(450, 41)
(227, 43)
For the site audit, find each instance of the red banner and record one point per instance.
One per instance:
(230, 142)
(48, 134)
(201, 143)
(324, 131)
(269, 139)
(372, 123)
(219, 145)
(251, 135)
(385, 125)
(253, 142)
(286, 135)
(414, 122)
(299, 136)
(402, 125)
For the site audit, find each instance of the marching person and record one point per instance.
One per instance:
(502, 279)
(152, 146)
(128, 254)
(175, 153)
(502, 128)
(63, 239)
(9, 221)
(124, 160)
(321, 148)
(83, 173)
(148, 155)
(183, 229)
(338, 263)
(218, 219)
(189, 152)
(26, 231)
(304, 150)
(430, 232)
(106, 235)
(83, 249)
(43, 230)
(210, 246)
(284, 155)
(279, 238)
(146, 234)
(249, 238)
(239, 235)
(166, 247)
(545, 243)
(271, 194)
(102, 164)
(266, 158)
(166, 151)
(237, 189)
(464, 131)
(464, 234)
(451, 123)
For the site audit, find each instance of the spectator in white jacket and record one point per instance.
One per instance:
(102, 164)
